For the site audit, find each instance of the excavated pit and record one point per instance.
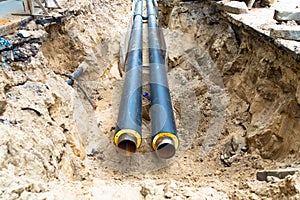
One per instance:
(235, 97)
(261, 80)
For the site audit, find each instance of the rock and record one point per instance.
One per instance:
(287, 15)
(290, 187)
(250, 3)
(232, 149)
(218, 172)
(279, 173)
(208, 175)
(24, 34)
(168, 195)
(31, 25)
(237, 142)
(244, 149)
(149, 189)
(286, 32)
(39, 34)
(169, 189)
(2, 106)
(272, 179)
(115, 72)
(291, 23)
(33, 34)
(144, 191)
(235, 7)
(263, 3)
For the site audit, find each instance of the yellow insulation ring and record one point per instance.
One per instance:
(165, 134)
(131, 132)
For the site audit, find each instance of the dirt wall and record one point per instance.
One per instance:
(260, 78)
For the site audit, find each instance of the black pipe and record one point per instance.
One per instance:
(128, 130)
(164, 133)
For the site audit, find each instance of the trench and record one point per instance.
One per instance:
(233, 93)
(235, 96)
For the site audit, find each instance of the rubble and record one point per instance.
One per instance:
(24, 34)
(233, 150)
(286, 32)
(235, 7)
(280, 173)
(3, 45)
(287, 15)
(21, 46)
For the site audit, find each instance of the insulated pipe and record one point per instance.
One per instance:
(164, 133)
(128, 129)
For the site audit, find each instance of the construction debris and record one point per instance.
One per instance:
(21, 46)
(3, 45)
(29, 7)
(25, 43)
(235, 7)
(24, 34)
(287, 15)
(50, 20)
(286, 32)
(279, 173)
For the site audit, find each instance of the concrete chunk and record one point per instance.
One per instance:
(284, 15)
(286, 32)
(235, 7)
(279, 173)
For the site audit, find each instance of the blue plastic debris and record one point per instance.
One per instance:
(147, 95)
(4, 42)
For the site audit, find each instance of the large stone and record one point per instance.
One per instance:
(235, 7)
(286, 32)
(280, 173)
(287, 15)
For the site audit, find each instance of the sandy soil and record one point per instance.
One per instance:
(235, 95)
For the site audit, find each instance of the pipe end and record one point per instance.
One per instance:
(165, 148)
(70, 81)
(127, 144)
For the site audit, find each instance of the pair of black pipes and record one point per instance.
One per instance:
(128, 135)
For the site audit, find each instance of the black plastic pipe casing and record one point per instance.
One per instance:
(162, 116)
(130, 111)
